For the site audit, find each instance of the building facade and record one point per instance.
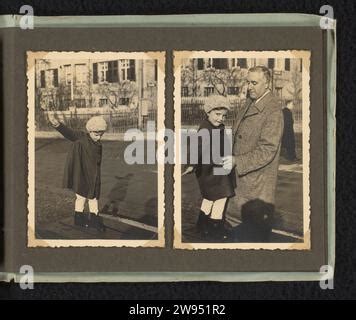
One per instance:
(86, 84)
(226, 76)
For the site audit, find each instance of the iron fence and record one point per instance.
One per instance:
(118, 122)
(192, 112)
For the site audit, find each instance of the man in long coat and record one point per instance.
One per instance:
(288, 138)
(257, 133)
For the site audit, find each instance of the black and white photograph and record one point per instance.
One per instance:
(85, 188)
(249, 187)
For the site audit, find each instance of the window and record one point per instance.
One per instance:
(200, 64)
(127, 70)
(51, 78)
(184, 92)
(270, 63)
(208, 91)
(220, 63)
(103, 102)
(287, 64)
(131, 75)
(124, 69)
(112, 73)
(232, 90)
(43, 79)
(242, 63)
(68, 74)
(124, 101)
(80, 74)
(79, 103)
(102, 69)
(106, 72)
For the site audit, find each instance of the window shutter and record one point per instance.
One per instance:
(200, 64)
(115, 71)
(220, 63)
(132, 72)
(223, 63)
(43, 79)
(108, 72)
(271, 63)
(55, 77)
(95, 73)
(216, 64)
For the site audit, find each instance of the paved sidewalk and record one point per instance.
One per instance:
(288, 226)
(116, 229)
(132, 188)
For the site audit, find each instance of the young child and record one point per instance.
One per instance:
(82, 169)
(215, 189)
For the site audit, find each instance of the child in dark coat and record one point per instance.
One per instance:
(215, 188)
(82, 169)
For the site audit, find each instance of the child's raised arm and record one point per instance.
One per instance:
(66, 132)
(52, 118)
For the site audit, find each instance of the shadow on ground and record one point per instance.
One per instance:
(130, 189)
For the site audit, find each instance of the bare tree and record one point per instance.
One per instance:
(295, 88)
(114, 91)
(219, 79)
(190, 78)
(54, 94)
(85, 89)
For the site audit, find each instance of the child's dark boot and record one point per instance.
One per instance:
(81, 219)
(202, 223)
(217, 231)
(97, 222)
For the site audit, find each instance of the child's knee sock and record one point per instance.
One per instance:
(93, 205)
(206, 206)
(218, 208)
(79, 203)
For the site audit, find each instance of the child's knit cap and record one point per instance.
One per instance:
(96, 123)
(216, 102)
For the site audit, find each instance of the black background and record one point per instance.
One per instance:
(344, 282)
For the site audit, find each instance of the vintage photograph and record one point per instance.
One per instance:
(84, 186)
(242, 133)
